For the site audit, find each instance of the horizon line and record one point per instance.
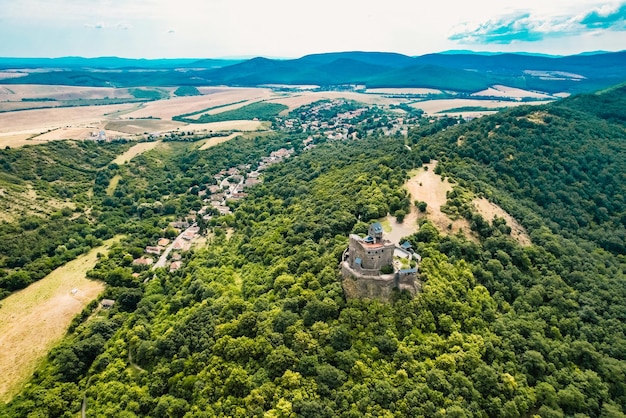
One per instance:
(248, 57)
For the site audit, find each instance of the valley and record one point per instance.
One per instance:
(66, 112)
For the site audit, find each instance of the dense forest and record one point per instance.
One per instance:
(256, 323)
(35, 242)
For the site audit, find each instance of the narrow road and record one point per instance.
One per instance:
(163, 258)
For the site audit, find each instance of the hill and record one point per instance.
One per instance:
(255, 323)
(578, 73)
(112, 62)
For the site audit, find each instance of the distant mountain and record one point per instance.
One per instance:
(488, 53)
(113, 62)
(432, 76)
(452, 70)
(382, 59)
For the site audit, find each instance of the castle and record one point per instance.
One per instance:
(373, 266)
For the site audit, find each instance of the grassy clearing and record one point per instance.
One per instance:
(34, 320)
(488, 210)
(113, 185)
(134, 151)
(426, 186)
(216, 140)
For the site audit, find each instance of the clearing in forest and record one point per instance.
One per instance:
(34, 320)
(134, 151)
(113, 184)
(488, 210)
(216, 140)
(427, 186)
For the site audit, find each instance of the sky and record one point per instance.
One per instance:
(293, 28)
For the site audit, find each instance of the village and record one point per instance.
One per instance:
(340, 119)
(231, 186)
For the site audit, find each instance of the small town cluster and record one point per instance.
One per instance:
(231, 186)
(340, 119)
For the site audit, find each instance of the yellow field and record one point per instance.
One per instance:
(41, 120)
(166, 109)
(17, 92)
(140, 126)
(211, 142)
(432, 107)
(303, 98)
(15, 140)
(505, 91)
(134, 151)
(35, 319)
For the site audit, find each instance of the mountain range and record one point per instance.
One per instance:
(455, 70)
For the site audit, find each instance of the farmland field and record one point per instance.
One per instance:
(33, 320)
(433, 107)
(167, 109)
(137, 120)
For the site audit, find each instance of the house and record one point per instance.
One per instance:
(251, 181)
(238, 195)
(175, 266)
(154, 250)
(143, 261)
(178, 245)
(163, 242)
(107, 303)
(180, 224)
(224, 210)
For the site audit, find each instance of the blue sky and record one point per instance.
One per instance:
(292, 28)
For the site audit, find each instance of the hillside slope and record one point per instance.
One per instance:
(256, 324)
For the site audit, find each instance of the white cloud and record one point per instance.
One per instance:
(533, 26)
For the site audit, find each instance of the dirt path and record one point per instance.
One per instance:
(33, 320)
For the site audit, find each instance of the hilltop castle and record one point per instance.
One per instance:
(373, 266)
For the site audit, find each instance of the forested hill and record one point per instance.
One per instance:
(256, 323)
(562, 166)
(461, 72)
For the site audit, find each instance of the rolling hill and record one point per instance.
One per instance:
(255, 323)
(448, 71)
